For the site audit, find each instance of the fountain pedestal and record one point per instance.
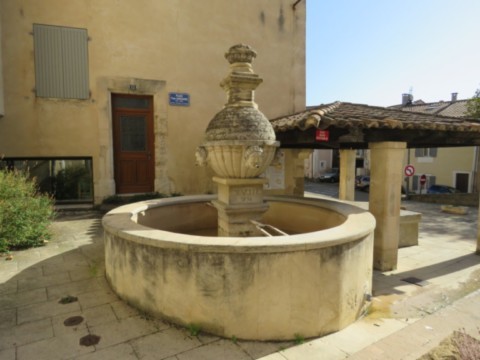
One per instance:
(239, 202)
(239, 146)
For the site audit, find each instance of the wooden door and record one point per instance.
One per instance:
(133, 143)
(461, 181)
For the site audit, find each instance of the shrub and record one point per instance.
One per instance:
(25, 214)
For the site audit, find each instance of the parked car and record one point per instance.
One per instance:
(362, 182)
(442, 189)
(332, 176)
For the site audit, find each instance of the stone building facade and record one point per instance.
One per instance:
(107, 97)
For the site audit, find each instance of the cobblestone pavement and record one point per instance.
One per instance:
(56, 304)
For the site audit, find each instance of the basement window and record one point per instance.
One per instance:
(68, 180)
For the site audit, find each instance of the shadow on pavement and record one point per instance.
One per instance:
(55, 303)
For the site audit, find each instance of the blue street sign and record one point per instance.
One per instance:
(179, 99)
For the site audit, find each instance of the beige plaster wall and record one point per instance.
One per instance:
(162, 47)
(318, 163)
(2, 106)
(445, 164)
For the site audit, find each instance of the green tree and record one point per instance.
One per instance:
(473, 105)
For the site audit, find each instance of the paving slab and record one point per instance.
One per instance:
(8, 318)
(9, 286)
(123, 330)
(62, 327)
(164, 344)
(23, 298)
(8, 354)
(361, 334)
(36, 282)
(218, 350)
(27, 333)
(317, 349)
(44, 310)
(57, 347)
(72, 288)
(123, 310)
(122, 351)
(97, 297)
(258, 349)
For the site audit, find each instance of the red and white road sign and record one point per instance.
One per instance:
(423, 179)
(409, 170)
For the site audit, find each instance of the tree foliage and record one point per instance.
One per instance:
(473, 105)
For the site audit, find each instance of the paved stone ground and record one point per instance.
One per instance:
(406, 320)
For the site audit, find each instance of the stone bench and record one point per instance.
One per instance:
(409, 221)
(409, 224)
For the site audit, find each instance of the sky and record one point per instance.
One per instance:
(373, 51)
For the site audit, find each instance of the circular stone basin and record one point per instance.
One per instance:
(161, 257)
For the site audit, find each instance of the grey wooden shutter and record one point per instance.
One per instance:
(415, 182)
(61, 62)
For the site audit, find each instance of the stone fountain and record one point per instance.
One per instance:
(202, 259)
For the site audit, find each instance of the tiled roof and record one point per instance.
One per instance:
(445, 108)
(348, 115)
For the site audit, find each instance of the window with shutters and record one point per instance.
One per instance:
(61, 62)
(418, 188)
(426, 152)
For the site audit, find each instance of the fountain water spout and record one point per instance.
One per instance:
(263, 228)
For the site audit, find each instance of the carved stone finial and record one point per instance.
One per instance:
(253, 157)
(240, 54)
(201, 156)
(239, 140)
(242, 81)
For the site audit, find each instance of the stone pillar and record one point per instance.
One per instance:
(346, 189)
(239, 202)
(385, 198)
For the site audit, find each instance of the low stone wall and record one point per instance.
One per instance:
(447, 199)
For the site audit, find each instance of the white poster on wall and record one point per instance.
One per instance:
(275, 173)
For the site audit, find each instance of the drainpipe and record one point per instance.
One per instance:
(475, 188)
(407, 190)
(295, 4)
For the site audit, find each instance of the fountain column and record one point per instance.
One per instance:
(239, 145)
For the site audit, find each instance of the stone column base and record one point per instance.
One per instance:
(239, 202)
